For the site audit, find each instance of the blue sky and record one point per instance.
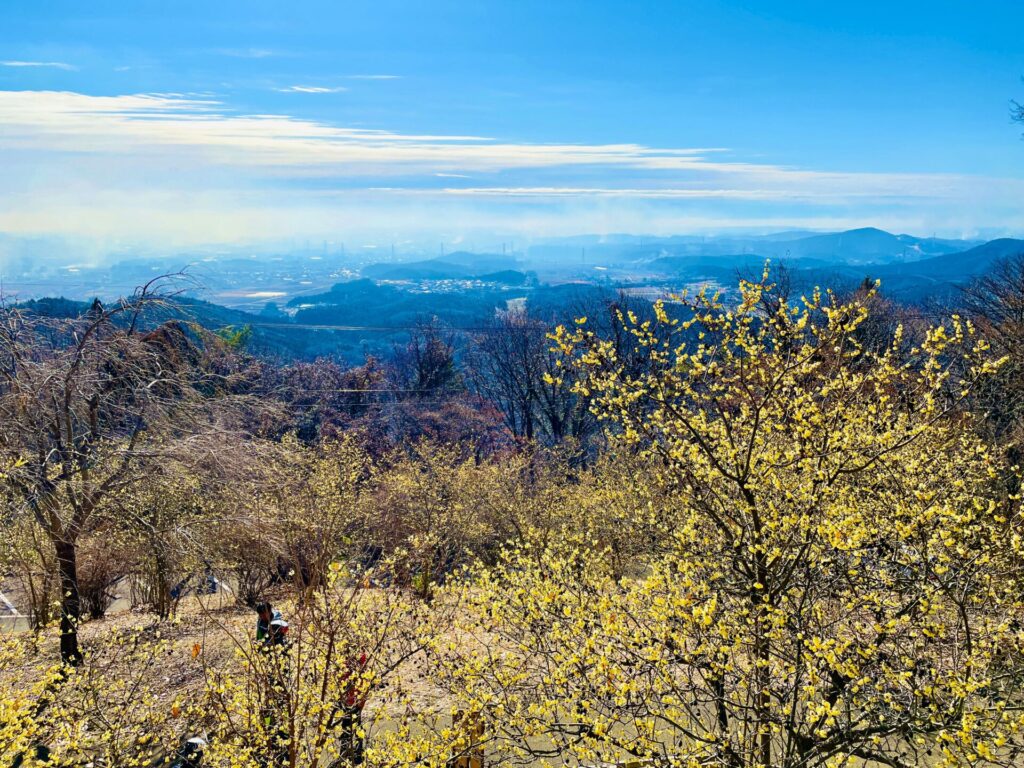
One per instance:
(190, 122)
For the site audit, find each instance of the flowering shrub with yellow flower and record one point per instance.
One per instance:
(837, 576)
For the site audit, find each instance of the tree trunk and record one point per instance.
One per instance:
(762, 675)
(70, 601)
(160, 583)
(763, 698)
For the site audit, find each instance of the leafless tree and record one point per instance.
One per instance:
(995, 303)
(88, 405)
(504, 365)
(513, 365)
(605, 314)
(425, 366)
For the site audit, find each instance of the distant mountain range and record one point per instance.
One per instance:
(911, 269)
(868, 245)
(856, 246)
(959, 264)
(372, 313)
(299, 298)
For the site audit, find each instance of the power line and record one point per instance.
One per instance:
(904, 315)
(390, 328)
(283, 390)
(374, 403)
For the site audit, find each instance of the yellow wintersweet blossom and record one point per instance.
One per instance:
(832, 576)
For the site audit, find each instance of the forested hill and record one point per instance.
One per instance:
(371, 315)
(361, 318)
(273, 336)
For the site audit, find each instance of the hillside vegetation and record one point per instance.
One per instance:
(777, 529)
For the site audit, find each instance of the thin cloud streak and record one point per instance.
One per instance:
(649, 194)
(49, 64)
(311, 89)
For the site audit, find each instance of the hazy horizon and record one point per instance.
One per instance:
(61, 252)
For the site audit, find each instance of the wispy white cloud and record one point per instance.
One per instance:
(64, 121)
(50, 64)
(61, 120)
(311, 89)
(654, 193)
(157, 152)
